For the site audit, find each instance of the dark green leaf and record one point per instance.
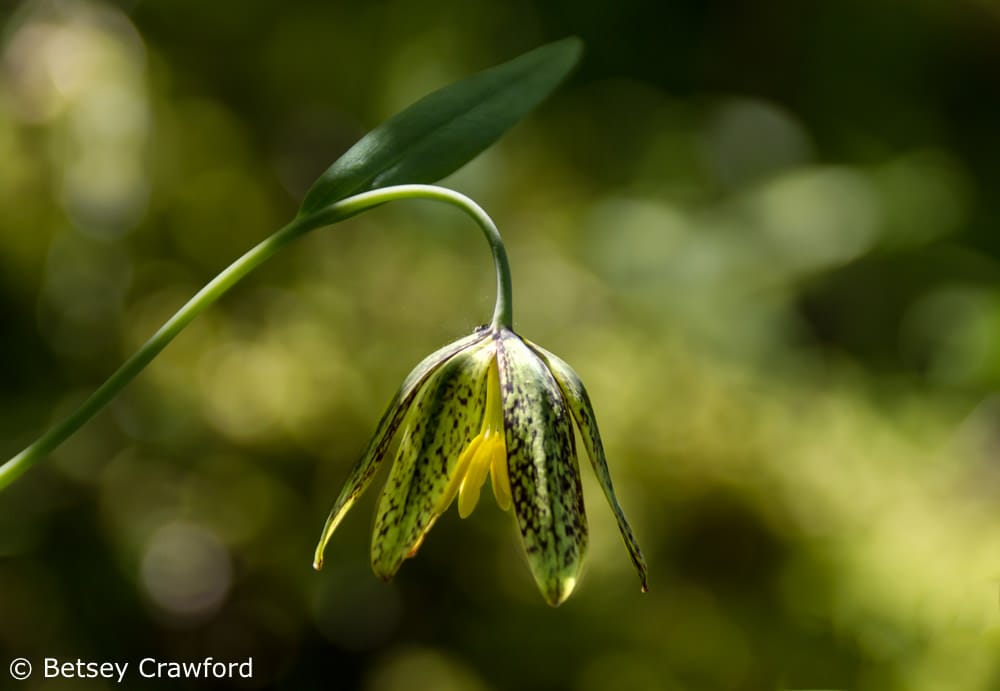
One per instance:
(443, 131)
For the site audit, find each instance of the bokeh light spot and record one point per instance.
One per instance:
(186, 571)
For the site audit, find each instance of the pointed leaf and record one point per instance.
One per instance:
(441, 422)
(544, 475)
(579, 402)
(443, 131)
(361, 475)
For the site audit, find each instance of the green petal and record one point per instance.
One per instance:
(583, 413)
(361, 475)
(443, 419)
(544, 475)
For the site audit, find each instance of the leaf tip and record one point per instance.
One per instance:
(574, 46)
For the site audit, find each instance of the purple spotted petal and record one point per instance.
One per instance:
(443, 419)
(579, 402)
(363, 471)
(544, 475)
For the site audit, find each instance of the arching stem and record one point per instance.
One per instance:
(218, 286)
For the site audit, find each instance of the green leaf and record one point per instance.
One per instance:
(446, 129)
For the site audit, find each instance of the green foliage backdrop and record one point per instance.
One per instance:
(764, 233)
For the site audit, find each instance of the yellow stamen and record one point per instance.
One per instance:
(468, 493)
(498, 472)
(485, 454)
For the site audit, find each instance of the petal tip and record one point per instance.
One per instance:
(561, 591)
(383, 574)
(640, 567)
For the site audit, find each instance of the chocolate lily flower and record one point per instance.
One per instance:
(491, 404)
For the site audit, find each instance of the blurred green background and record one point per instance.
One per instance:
(764, 233)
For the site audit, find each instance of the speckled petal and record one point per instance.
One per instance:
(579, 402)
(363, 471)
(442, 421)
(544, 475)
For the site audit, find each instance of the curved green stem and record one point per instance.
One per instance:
(503, 312)
(218, 286)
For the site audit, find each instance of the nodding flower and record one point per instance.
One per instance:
(491, 404)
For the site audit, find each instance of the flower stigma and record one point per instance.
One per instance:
(486, 453)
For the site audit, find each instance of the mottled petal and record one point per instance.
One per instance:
(443, 419)
(583, 413)
(363, 471)
(543, 471)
